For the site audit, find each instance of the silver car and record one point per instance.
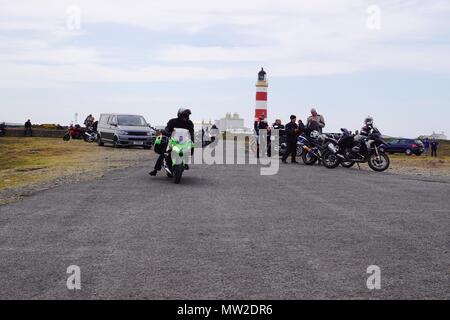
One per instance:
(124, 130)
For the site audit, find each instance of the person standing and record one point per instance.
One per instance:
(261, 124)
(426, 146)
(316, 122)
(434, 147)
(28, 130)
(277, 125)
(291, 139)
(89, 121)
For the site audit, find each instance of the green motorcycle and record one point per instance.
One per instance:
(179, 152)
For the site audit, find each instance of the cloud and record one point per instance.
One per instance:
(291, 37)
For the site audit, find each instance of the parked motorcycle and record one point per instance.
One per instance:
(314, 144)
(90, 136)
(283, 147)
(352, 149)
(77, 132)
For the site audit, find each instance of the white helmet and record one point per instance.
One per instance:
(314, 134)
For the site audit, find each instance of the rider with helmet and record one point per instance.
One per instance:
(182, 121)
(368, 126)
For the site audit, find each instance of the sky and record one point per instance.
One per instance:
(347, 58)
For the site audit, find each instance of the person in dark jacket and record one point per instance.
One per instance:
(2, 129)
(181, 122)
(426, 146)
(262, 124)
(292, 132)
(434, 146)
(28, 130)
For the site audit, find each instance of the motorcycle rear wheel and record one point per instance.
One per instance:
(379, 165)
(66, 137)
(177, 173)
(299, 151)
(330, 160)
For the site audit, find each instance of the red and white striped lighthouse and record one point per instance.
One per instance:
(261, 95)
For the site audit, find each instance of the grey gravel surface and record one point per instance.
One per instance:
(228, 233)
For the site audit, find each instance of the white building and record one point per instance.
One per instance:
(199, 125)
(230, 123)
(434, 135)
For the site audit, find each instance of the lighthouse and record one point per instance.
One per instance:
(261, 95)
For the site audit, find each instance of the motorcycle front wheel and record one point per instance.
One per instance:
(330, 160)
(309, 158)
(379, 163)
(177, 173)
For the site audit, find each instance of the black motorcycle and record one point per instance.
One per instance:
(314, 145)
(352, 149)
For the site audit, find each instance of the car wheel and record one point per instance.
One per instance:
(116, 142)
(100, 141)
(409, 152)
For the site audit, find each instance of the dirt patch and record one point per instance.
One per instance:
(29, 165)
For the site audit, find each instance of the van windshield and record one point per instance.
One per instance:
(131, 121)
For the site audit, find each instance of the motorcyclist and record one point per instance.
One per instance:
(181, 122)
(292, 132)
(368, 126)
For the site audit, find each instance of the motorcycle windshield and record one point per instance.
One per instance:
(181, 136)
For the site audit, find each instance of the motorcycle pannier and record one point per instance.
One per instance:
(160, 144)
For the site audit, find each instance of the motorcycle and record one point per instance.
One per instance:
(314, 144)
(283, 147)
(76, 132)
(90, 136)
(352, 149)
(177, 154)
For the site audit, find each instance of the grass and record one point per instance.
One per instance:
(24, 161)
(425, 165)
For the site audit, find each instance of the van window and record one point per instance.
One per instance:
(104, 119)
(112, 119)
(131, 120)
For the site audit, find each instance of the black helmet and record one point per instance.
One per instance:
(184, 113)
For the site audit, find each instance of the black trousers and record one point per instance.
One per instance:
(28, 132)
(268, 145)
(433, 152)
(290, 150)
